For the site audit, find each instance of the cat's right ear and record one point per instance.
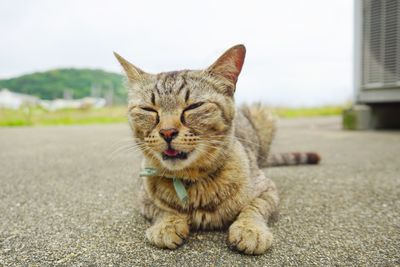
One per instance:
(229, 65)
(133, 73)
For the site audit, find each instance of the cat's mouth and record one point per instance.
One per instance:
(171, 153)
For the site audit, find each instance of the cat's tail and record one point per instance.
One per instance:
(264, 123)
(290, 159)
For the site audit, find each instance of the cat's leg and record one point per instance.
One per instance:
(249, 233)
(169, 230)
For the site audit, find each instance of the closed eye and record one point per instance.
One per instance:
(190, 107)
(193, 106)
(149, 109)
(152, 110)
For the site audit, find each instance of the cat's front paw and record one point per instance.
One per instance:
(168, 234)
(250, 237)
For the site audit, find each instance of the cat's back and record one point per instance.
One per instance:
(245, 131)
(255, 129)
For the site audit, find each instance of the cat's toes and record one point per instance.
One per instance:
(250, 237)
(167, 234)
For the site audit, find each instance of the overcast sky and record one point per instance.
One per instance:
(298, 52)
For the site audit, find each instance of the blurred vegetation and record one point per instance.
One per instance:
(79, 82)
(31, 116)
(308, 112)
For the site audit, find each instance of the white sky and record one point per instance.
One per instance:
(299, 52)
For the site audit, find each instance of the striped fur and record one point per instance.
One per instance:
(224, 148)
(293, 158)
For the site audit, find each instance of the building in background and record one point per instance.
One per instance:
(13, 100)
(376, 66)
(83, 103)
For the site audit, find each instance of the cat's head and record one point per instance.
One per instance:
(183, 118)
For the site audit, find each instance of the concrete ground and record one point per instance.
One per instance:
(67, 197)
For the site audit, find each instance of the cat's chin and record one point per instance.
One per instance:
(174, 165)
(178, 162)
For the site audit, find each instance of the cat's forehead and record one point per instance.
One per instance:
(173, 82)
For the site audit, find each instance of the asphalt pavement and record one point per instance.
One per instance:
(68, 198)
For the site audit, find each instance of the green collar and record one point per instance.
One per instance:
(178, 184)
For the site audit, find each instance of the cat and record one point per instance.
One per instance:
(203, 155)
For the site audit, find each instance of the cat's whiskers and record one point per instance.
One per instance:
(208, 153)
(238, 138)
(149, 153)
(125, 149)
(249, 142)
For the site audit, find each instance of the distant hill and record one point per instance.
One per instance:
(78, 82)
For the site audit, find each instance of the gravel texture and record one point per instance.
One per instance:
(67, 198)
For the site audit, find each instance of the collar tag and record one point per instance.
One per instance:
(180, 189)
(148, 172)
(178, 184)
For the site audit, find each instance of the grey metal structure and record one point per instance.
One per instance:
(377, 50)
(377, 60)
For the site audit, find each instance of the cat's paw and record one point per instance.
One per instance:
(250, 237)
(168, 234)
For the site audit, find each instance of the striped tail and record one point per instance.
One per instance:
(290, 159)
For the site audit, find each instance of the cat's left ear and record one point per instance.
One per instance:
(229, 65)
(133, 73)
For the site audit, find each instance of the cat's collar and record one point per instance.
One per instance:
(178, 183)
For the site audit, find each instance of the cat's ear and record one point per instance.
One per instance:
(133, 73)
(229, 64)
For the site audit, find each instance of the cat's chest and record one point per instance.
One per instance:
(210, 205)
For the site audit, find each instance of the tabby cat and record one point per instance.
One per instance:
(203, 156)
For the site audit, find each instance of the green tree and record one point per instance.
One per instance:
(51, 84)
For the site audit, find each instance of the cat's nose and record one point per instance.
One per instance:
(169, 134)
